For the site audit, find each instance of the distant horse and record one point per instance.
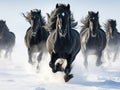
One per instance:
(7, 39)
(113, 38)
(36, 35)
(93, 38)
(63, 41)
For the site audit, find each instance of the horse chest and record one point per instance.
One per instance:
(62, 45)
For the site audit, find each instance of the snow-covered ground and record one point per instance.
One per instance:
(17, 74)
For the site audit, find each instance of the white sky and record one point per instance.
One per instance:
(10, 10)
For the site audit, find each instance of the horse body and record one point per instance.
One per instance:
(113, 38)
(63, 41)
(36, 36)
(7, 39)
(93, 38)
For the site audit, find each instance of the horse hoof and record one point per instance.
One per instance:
(54, 71)
(68, 77)
(98, 64)
(30, 62)
(38, 67)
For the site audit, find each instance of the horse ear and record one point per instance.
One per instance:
(31, 11)
(39, 11)
(115, 22)
(89, 13)
(4, 21)
(57, 5)
(68, 6)
(97, 13)
(48, 16)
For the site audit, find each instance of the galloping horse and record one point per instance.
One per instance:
(93, 38)
(36, 35)
(113, 38)
(63, 41)
(7, 39)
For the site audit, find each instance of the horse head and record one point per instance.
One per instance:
(59, 19)
(63, 19)
(112, 27)
(2, 24)
(93, 22)
(35, 21)
(3, 28)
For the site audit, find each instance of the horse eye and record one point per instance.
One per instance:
(63, 14)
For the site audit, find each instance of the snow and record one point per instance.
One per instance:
(18, 74)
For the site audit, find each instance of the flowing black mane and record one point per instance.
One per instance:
(85, 21)
(51, 24)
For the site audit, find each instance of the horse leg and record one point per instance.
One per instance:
(0, 53)
(52, 62)
(68, 68)
(6, 53)
(30, 56)
(99, 62)
(116, 54)
(108, 54)
(85, 60)
(39, 59)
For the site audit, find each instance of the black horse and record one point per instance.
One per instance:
(36, 35)
(113, 38)
(63, 41)
(93, 38)
(7, 39)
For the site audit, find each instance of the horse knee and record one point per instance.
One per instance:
(39, 58)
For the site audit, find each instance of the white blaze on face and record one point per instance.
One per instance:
(63, 14)
(111, 30)
(91, 25)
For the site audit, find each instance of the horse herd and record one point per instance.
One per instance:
(59, 37)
